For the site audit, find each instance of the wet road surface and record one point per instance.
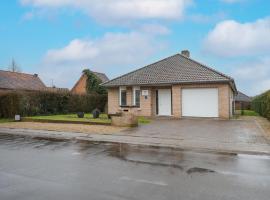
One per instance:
(39, 169)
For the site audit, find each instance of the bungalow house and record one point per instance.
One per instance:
(176, 86)
(14, 81)
(242, 101)
(80, 86)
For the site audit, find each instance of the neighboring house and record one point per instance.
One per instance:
(176, 86)
(57, 90)
(80, 86)
(242, 101)
(11, 81)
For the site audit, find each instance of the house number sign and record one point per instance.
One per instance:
(144, 92)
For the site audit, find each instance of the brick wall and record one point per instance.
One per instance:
(113, 100)
(145, 108)
(80, 87)
(148, 106)
(176, 101)
(146, 103)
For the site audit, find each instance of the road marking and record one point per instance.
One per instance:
(160, 183)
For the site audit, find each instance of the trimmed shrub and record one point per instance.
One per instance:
(261, 104)
(46, 103)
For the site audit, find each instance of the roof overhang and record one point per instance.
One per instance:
(230, 82)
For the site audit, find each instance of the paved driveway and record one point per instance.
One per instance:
(231, 135)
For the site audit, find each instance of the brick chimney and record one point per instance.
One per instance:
(185, 53)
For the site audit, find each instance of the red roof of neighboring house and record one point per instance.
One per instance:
(20, 81)
(81, 90)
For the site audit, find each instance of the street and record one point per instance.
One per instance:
(42, 169)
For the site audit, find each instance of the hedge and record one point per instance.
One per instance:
(261, 104)
(46, 103)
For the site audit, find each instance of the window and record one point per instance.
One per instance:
(136, 96)
(123, 96)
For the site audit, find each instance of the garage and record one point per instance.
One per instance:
(200, 102)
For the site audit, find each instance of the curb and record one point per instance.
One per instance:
(86, 137)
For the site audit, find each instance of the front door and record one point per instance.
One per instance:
(164, 102)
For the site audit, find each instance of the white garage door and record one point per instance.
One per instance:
(200, 102)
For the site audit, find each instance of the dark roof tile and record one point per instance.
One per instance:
(242, 97)
(171, 70)
(20, 81)
(101, 76)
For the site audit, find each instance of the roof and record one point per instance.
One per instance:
(20, 81)
(56, 89)
(242, 97)
(172, 70)
(101, 76)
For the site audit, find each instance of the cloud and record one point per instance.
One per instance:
(111, 53)
(76, 50)
(154, 29)
(231, 38)
(253, 76)
(111, 11)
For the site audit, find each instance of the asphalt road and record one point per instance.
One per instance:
(39, 169)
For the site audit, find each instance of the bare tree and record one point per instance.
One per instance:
(14, 66)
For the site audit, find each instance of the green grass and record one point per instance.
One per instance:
(248, 113)
(143, 120)
(6, 120)
(103, 118)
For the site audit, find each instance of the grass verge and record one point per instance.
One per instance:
(6, 120)
(103, 118)
(247, 113)
(144, 120)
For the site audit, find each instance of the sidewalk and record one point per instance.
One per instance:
(202, 146)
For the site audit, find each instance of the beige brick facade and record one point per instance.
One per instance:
(113, 100)
(176, 101)
(148, 105)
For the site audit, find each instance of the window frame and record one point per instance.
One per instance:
(122, 88)
(134, 89)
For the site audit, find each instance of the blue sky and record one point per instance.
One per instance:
(59, 38)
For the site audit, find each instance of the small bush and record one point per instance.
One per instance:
(46, 103)
(261, 104)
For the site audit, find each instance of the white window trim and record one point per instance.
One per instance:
(120, 93)
(134, 94)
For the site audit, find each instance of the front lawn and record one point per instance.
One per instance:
(6, 120)
(103, 118)
(143, 120)
(248, 113)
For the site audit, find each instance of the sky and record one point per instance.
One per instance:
(57, 39)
